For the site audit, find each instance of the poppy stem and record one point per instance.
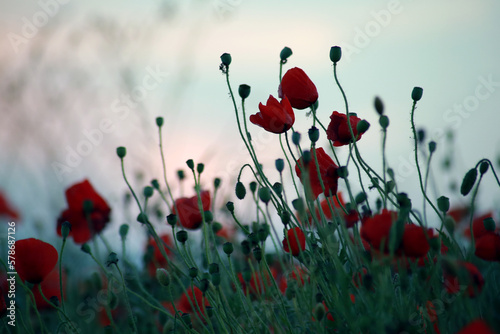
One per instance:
(61, 274)
(127, 301)
(471, 220)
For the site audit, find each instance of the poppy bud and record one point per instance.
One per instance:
(86, 249)
(193, 272)
(147, 191)
(163, 277)
(112, 259)
(384, 122)
(296, 138)
(172, 219)
(262, 234)
(362, 126)
(390, 171)
(190, 164)
(278, 188)
(319, 311)
(257, 253)
(421, 135)
(216, 279)
(298, 204)
(155, 184)
(379, 106)
(121, 152)
(123, 231)
(280, 165)
(209, 217)
(489, 224)
(142, 218)
(483, 167)
(313, 134)
(217, 182)
(180, 174)
(389, 186)
(228, 248)
(253, 186)
(253, 238)
(443, 203)
(404, 201)
(335, 54)
(416, 94)
(432, 146)
(265, 194)
(216, 227)
(360, 198)
(213, 268)
(306, 157)
(65, 229)
(200, 167)
(240, 190)
(230, 206)
(468, 181)
(182, 236)
(159, 121)
(245, 247)
(186, 319)
(285, 53)
(342, 172)
(244, 91)
(226, 59)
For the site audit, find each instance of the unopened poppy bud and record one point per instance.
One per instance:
(306, 157)
(121, 152)
(298, 204)
(468, 181)
(285, 217)
(384, 121)
(123, 231)
(280, 165)
(216, 279)
(216, 227)
(240, 190)
(112, 259)
(190, 164)
(244, 91)
(257, 253)
(278, 188)
(180, 174)
(262, 234)
(155, 184)
(416, 93)
(163, 277)
(226, 59)
(217, 182)
(65, 229)
(200, 167)
(147, 191)
(181, 236)
(342, 172)
(403, 201)
(245, 247)
(285, 53)
(319, 311)
(421, 135)
(209, 217)
(362, 126)
(379, 106)
(296, 138)
(489, 224)
(313, 134)
(253, 186)
(389, 186)
(483, 167)
(253, 238)
(230, 206)
(432, 146)
(443, 203)
(172, 219)
(159, 121)
(193, 272)
(360, 198)
(213, 268)
(228, 248)
(142, 218)
(86, 249)
(335, 54)
(265, 194)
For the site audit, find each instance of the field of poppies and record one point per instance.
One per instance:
(311, 258)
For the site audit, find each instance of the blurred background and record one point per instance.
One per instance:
(80, 78)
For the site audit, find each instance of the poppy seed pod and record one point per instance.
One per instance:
(121, 152)
(285, 54)
(181, 236)
(296, 138)
(190, 164)
(483, 167)
(416, 93)
(124, 231)
(193, 272)
(163, 277)
(155, 184)
(112, 259)
(257, 253)
(65, 229)
(226, 59)
(172, 219)
(240, 190)
(280, 165)
(230, 206)
(228, 248)
(253, 186)
(384, 122)
(159, 121)
(313, 134)
(200, 167)
(489, 224)
(180, 174)
(265, 194)
(432, 146)
(147, 191)
(244, 91)
(335, 54)
(443, 203)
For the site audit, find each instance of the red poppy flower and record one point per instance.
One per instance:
(297, 240)
(476, 327)
(197, 300)
(35, 259)
(275, 117)
(468, 275)
(299, 89)
(50, 288)
(327, 170)
(338, 129)
(376, 229)
(6, 208)
(189, 213)
(488, 247)
(157, 260)
(297, 275)
(415, 242)
(84, 224)
(258, 283)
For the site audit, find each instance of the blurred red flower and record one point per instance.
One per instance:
(327, 170)
(275, 117)
(298, 88)
(338, 129)
(6, 208)
(488, 247)
(415, 242)
(296, 238)
(468, 275)
(188, 211)
(35, 259)
(350, 219)
(197, 300)
(478, 227)
(375, 230)
(86, 219)
(476, 327)
(157, 260)
(50, 288)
